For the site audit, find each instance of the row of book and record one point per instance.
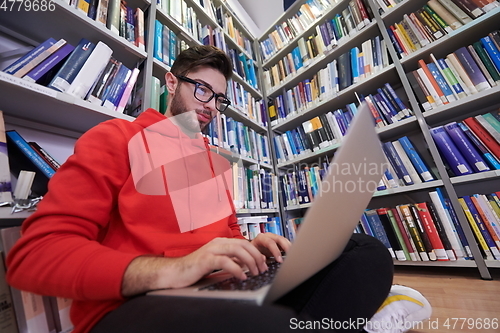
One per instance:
(353, 18)
(117, 16)
(462, 73)
(244, 102)
(433, 21)
(251, 226)
(225, 21)
(322, 131)
(299, 186)
(244, 66)
(166, 44)
(470, 146)
(254, 187)
(23, 311)
(386, 106)
(429, 231)
(405, 166)
(87, 71)
(238, 138)
(384, 5)
(21, 154)
(349, 68)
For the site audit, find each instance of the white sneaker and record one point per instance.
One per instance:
(404, 309)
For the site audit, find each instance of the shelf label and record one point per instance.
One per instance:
(28, 85)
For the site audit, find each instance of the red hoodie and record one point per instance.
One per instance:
(130, 189)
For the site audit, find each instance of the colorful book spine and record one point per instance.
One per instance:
(29, 152)
(18, 64)
(49, 63)
(447, 225)
(415, 159)
(396, 163)
(69, 70)
(452, 155)
(492, 161)
(466, 147)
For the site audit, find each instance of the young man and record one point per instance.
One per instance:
(145, 205)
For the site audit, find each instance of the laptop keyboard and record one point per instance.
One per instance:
(253, 282)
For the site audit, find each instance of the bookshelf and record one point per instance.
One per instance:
(416, 126)
(71, 117)
(37, 107)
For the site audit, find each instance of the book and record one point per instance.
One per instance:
(492, 130)
(448, 17)
(456, 11)
(466, 147)
(408, 218)
(103, 81)
(419, 92)
(435, 86)
(128, 91)
(472, 69)
(447, 225)
(5, 178)
(475, 229)
(431, 231)
(486, 60)
(396, 242)
(423, 232)
(19, 63)
(378, 229)
(483, 135)
(23, 157)
(39, 58)
(118, 85)
(450, 77)
(492, 161)
(139, 29)
(482, 227)
(469, 7)
(491, 50)
(396, 163)
(450, 152)
(113, 18)
(45, 155)
(90, 71)
(415, 159)
(102, 12)
(69, 70)
(481, 65)
(50, 63)
(441, 231)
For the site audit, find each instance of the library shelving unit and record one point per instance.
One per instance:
(416, 127)
(40, 108)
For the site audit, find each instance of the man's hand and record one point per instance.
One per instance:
(230, 254)
(271, 245)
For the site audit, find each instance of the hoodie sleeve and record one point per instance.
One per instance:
(59, 253)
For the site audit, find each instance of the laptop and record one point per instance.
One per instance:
(352, 178)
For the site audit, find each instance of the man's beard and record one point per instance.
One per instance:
(186, 119)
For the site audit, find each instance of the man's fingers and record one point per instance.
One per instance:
(245, 252)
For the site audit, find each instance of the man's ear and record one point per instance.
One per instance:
(171, 83)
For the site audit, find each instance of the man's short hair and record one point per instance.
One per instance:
(202, 55)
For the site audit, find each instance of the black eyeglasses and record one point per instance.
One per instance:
(204, 94)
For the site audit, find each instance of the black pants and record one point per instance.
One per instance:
(338, 298)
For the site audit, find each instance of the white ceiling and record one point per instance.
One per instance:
(263, 12)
